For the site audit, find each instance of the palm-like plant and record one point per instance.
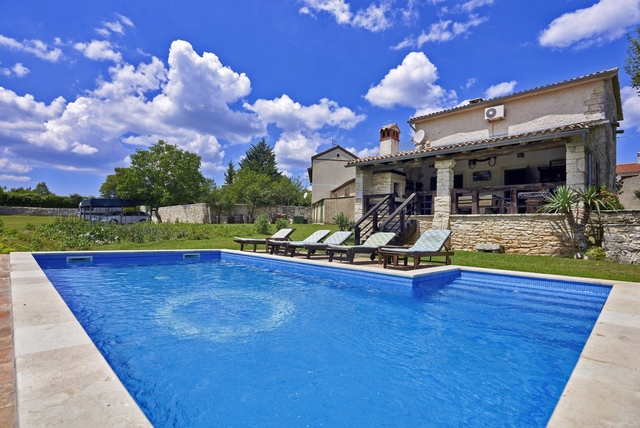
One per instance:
(577, 206)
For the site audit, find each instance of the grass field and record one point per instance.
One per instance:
(22, 233)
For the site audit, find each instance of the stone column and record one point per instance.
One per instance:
(442, 204)
(576, 157)
(364, 181)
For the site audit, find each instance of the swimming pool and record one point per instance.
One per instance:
(455, 348)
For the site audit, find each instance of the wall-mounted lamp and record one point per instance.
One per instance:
(520, 155)
(491, 159)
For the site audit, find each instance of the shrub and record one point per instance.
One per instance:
(261, 224)
(281, 223)
(595, 253)
(342, 221)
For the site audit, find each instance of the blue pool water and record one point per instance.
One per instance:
(234, 341)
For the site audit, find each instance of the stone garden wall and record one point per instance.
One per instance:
(201, 213)
(621, 241)
(531, 234)
(54, 212)
(541, 234)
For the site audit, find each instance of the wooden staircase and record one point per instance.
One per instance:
(385, 217)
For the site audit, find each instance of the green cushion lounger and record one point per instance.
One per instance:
(282, 234)
(338, 238)
(370, 246)
(429, 244)
(317, 236)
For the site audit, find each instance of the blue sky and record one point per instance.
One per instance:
(83, 84)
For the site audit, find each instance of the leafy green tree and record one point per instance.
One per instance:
(230, 174)
(632, 63)
(261, 159)
(253, 189)
(160, 176)
(288, 191)
(42, 189)
(75, 199)
(21, 190)
(109, 187)
(220, 199)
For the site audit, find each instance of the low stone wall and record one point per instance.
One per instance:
(53, 212)
(541, 234)
(191, 213)
(531, 234)
(621, 217)
(621, 243)
(201, 213)
(621, 239)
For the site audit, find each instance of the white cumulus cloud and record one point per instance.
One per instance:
(603, 22)
(7, 165)
(374, 18)
(34, 46)
(117, 26)
(366, 152)
(500, 89)
(83, 149)
(631, 107)
(411, 84)
(18, 70)
(293, 150)
(291, 116)
(19, 178)
(192, 101)
(442, 31)
(99, 50)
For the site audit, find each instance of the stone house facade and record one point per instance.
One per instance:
(499, 156)
(330, 182)
(628, 175)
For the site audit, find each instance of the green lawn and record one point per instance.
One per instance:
(22, 237)
(20, 221)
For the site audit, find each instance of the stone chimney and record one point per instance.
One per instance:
(638, 157)
(389, 139)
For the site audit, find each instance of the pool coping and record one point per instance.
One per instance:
(62, 379)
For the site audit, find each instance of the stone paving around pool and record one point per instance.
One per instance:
(7, 368)
(61, 378)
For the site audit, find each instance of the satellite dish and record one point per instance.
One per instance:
(419, 136)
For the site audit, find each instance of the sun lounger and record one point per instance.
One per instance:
(429, 245)
(338, 238)
(282, 234)
(370, 246)
(317, 236)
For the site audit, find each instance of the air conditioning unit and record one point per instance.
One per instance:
(494, 113)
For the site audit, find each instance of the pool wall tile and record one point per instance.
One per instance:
(524, 281)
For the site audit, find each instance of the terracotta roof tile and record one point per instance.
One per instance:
(597, 75)
(463, 145)
(628, 168)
